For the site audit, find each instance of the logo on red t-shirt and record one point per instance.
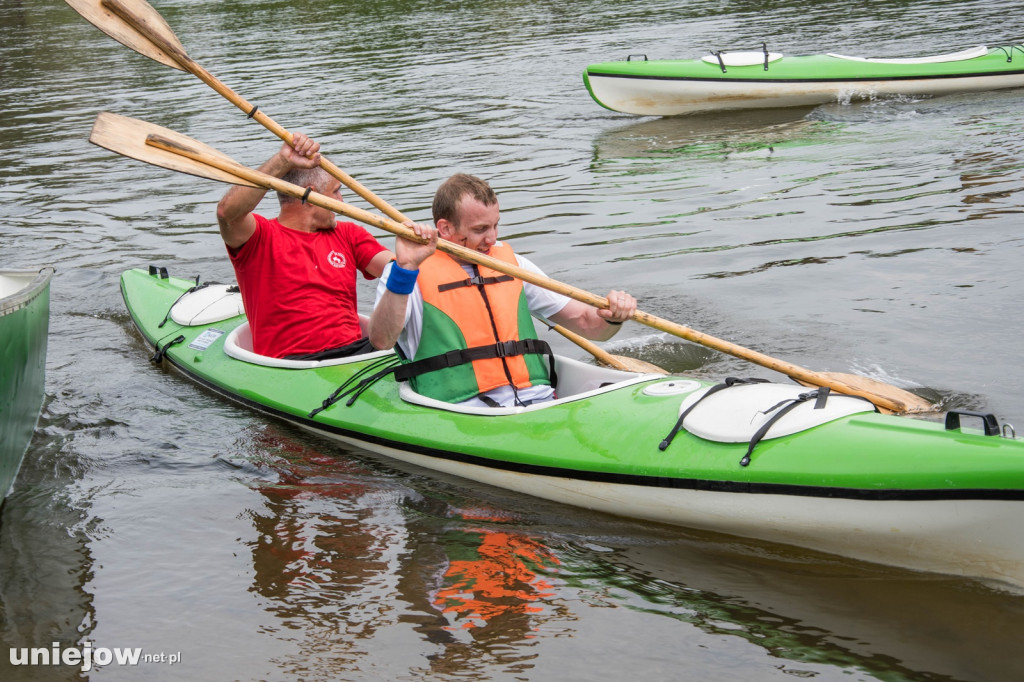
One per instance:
(336, 259)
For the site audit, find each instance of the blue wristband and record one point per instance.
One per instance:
(400, 280)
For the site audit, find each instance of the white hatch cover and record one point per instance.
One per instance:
(734, 414)
(209, 304)
(742, 58)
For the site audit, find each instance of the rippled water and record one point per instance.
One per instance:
(880, 238)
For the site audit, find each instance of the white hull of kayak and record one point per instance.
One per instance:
(671, 97)
(976, 538)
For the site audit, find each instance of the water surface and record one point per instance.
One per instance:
(880, 237)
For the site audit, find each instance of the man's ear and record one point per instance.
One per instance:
(445, 229)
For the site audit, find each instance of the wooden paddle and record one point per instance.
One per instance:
(601, 355)
(166, 148)
(137, 25)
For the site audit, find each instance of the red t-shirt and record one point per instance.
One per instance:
(299, 288)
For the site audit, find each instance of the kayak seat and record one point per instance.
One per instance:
(735, 415)
(971, 53)
(238, 345)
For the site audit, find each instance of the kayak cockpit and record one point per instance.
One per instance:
(238, 345)
(576, 381)
(962, 55)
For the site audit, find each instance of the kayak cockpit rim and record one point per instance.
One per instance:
(238, 345)
(576, 381)
(962, 55)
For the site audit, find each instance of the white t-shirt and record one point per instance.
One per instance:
(540, 301)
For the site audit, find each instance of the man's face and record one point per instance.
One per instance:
(323, 218)
(475, 225)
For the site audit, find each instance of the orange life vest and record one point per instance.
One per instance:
(477, 332)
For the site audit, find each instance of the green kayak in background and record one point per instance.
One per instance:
(761, 79)
(24, 325)
(777, 462)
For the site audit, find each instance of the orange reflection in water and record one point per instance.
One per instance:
(500, 581)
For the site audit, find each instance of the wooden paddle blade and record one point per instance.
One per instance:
(905, 401)
(99, 14)
(127, 136)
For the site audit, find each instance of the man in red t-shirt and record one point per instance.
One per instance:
(297, 273)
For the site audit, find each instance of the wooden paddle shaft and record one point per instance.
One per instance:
(601, 354)
(461, 252)
(145, 31)
(178, 54)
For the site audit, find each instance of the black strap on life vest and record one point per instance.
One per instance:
(461, 356)
(476, 280)
(729, 383)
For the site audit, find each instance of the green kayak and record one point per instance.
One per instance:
(777, 462)
(759, 79)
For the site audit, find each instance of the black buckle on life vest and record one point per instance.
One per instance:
(474, 281)
(506, 349)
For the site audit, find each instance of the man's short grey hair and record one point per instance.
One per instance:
(317, 178)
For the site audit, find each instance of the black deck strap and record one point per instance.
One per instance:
(820, 397)
(476, 280)
(461, 356)
(764, 46)
(1008, 50)
(158, 271)
(720, 62)
(195, 287)
(158, 356)
(729, 383)
(252, 112)
(359, 382)
(306, 194)
(760, 433)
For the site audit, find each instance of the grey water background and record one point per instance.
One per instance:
(882, 238)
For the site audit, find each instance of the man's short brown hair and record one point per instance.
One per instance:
(451, 191)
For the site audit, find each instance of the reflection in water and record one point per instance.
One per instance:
(717, 136)
(483, 589)
(323, 552)
(45, 561)
(332, 562)
(498, 583)
(489, 600)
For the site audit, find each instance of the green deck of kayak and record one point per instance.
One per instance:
(611, 437)
(814, 68)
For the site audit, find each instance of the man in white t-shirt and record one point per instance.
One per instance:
(466, 331)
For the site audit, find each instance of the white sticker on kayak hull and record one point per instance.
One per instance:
(206, 339)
